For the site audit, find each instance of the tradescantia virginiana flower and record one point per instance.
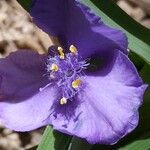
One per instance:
(87, 87)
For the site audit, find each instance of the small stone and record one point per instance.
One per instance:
(14, 141)
(125, 6)
(146, 23)
(3, 142)
(145, 4)
(138, 14)
(135, 12)
(7, 131)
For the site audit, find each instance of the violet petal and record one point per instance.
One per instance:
(23, 106)
(108, 108)
(74, 23)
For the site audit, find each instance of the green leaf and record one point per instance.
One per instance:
(79, 144)
(138, 61)
(138, 145)
(26, 4)
(112, 15)
(145, 72)
(54, 140)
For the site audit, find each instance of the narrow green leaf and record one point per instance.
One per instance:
(145, 73)
(79, 144)
(26, 4)
(112, 15)
(54, 140)
(123, 19)
(138, 145)
(138, 61)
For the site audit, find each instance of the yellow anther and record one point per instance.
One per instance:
(54, 67)
(73, 49)
(63, 101)
(61, 52)
(76, 83)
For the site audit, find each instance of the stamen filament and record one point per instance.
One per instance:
(66, 72)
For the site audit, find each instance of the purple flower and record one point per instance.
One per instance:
(89, 88)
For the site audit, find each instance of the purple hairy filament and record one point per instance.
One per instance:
(66, 71)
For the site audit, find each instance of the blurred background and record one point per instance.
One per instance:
(18, 32)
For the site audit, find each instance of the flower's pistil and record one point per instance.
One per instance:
(66, 72)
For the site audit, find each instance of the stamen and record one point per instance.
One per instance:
(76, 83)
(54, 67)
(73, 49)
(63, 101)
(52, 76)
(66, 71)
(61, 52)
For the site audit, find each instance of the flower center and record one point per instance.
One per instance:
(66, 71)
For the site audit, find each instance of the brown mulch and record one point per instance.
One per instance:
(137, 9)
